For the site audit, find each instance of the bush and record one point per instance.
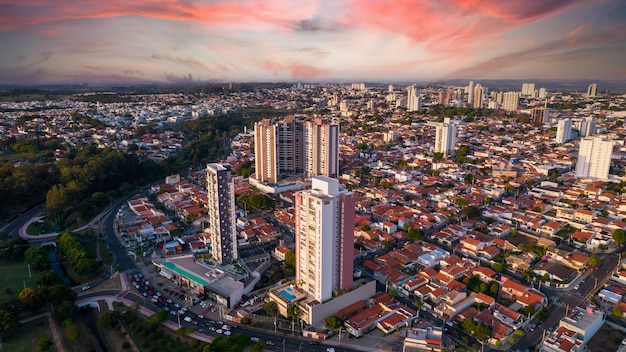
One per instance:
(499, 343)
(126, 345)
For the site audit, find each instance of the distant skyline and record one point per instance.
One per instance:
(143, 41)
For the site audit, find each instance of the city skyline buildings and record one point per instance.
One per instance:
(321, 40)
(445, 138)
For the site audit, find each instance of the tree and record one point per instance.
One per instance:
(48, 278)
(333, 323)
(293, 312)
(44, 344)
(617, 312)
(32, 299)
(71, 330)
(290, 258)
(158, 318)
(64, 311)
(415, 234)
(271, 308)
(437, 156)
(9, 321)
(110, 318)
(37, 257)
(60, 293)
(594, 260)
(185, 330)
(619, 236)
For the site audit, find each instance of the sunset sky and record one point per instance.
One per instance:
(112, 41)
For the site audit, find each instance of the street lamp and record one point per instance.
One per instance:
(283, 345)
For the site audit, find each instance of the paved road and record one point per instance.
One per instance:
(563, 300)
(14, 226)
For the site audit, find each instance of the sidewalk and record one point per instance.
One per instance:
(54, 329)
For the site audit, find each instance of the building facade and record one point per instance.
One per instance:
(324, 238)
(293, 147)
(510, 101)
(594, 158)
(563, 131)
(413, 99)
(445, 138)
(221, 213)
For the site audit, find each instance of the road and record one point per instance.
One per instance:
(14, 226)
(563, 300)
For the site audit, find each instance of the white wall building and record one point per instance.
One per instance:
(563, 131)
(594, 158)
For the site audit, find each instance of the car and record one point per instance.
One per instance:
(219, 331)
(330, 349)
(254, 339)
(533, 327)
(269, 343)
(173, 312)
(577, 286)
(597, 267)
(200, 316)
(227, 333)
(211, 328)
(312, 342)
(85, 288)
(187, 319)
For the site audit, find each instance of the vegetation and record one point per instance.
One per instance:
(333, 323)
(83, 263)
(257, 202)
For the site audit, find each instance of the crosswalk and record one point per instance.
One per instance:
(572, 295)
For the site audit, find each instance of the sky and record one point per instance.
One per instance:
(143, 41)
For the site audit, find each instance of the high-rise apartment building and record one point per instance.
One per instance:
(470, 93)
(594, 158)
(479, 93)
(510, 101)
(321, 149)
(587, 126)
(413, 99)
(563, 131)
(543, 93)
(221, 213)
(528, 89)
(539, 115)
(445, 138)
(324, 238)
(591, 90)
(293, 147)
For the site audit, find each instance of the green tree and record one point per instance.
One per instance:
(158, 318)
(64, 311)
(528, 310)
(110, 318)
(71, 330)
(44, 344)
(617, 312)
(333, 323)
(37, 257)
(48, 278)
(32, 299)
(9, 321)
(290, 258)
(619, 236)
(293, 312)
(271, 308)
(414, 234)
(437, 156)
(594, 260)
(185, 330)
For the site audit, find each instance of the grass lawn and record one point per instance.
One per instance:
(15, 275)
(25, 337)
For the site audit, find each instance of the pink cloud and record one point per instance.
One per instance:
(295, 69)
(18, 14)
(449, 25)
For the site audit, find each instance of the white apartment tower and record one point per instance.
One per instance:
(563, 131)
(324, 238)
(591, 90)
(221, 213)
(445, 138)
(587, 126)
(594, 158)
(292, 147)
(528, 89)
(413, 99)
(510, 101)
(470, 93)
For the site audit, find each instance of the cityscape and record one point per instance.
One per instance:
(329, 176)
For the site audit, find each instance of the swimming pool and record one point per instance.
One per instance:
(287, 294)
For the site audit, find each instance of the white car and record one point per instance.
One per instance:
(188, 319)
(219, 331)
(227, 333)
(85, 288)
